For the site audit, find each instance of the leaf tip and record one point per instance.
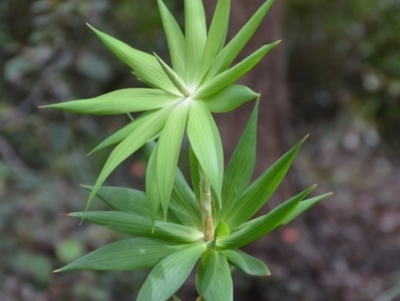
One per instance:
(57, 271)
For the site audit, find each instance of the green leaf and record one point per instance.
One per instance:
(222, 230)
(229, 53)
(136, 225)
(216, 37)
(246, 263)
(256, 228)
(240, 168)
(128, 201)
(126, 255)
(118, 102)
(168, 154)
(152, 191)
(206, 144)
(196, 36)
(169, 274)
(229, 98)
(302, 207)
(246, 205)
(194, 172)
(214, 280)
(133, 142)
(176, 298)
(230, 76)
(124, 132)
(175, 39)
(143, 64)
(174, 77)
(182, 203)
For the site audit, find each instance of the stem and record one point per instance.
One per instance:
(205, 206)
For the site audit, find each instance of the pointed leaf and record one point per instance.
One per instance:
(216, 37)
(169, 274)
(143, 64)
(182, 203)
(133, 142)
(175, 39)
(214, 280)
(196, 36)
(302, 207)
(136, 225)
(194, 173)
(240, 168)
(256, 228)
(230, 76)
(168, 154)
(246, 263)
(118, 102)
(229, 98)
(152, 190)
(222, 230)
(126, 255)
(129, 201)
(229, 53)
(206, 144)
(246, 205)
(176, 298)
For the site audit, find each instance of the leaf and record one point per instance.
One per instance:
(126, 255)
(136, 225)
(118, 102)
(256, 228)
(143, 64)
(228, 77)
(133, 142)
(168, 154)
(213, 280)
(302, 207)
(240, 168)
(196, 36)
(206, 144)
(175, 39)
(216, 37)
(222, 230)
(229, 53)
(246, 205)
(176, 298)
(246, 263)
(169, 274)
(182, 203)
(194, 172)
(229, 98)
(128, 201)
(152, 191)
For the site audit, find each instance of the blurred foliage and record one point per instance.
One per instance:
(346, 53)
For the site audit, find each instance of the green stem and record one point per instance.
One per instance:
(206, 206)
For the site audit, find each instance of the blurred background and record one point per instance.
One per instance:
(336, 76)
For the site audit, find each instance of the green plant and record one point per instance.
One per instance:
(189, 225)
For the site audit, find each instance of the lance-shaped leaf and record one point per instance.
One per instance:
(304, 206)
(119, 102)
(176, 298)
(175, 39)
(143, 64)
(230, 76)
(246, 263)
(206, 144)
(222, 230)
(126, 255)
(129, 201)
(182, 203)
(152, 191)
(216, 37)
(246, 205)
(120, 135)
(169, 274)
(195, 36)
(240, 168)
(133, 142)
(229, 98)
(254, 229)
(168, 153)
(194, 173)
(136, 225)
(213, 279)
(174, 77)
(229, 53)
